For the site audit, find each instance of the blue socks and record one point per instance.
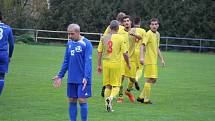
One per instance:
(73, 111)
(1, 85)
(84, 111)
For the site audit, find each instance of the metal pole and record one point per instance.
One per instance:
(36, 35)
(166, 44)
(200, 46)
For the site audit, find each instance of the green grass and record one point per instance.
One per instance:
(185, 90)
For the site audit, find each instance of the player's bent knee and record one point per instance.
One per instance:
(72, 100)
(82, 100)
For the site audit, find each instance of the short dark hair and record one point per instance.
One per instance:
(137, 20)
(154, 19)
(0, 16)
(127, 16)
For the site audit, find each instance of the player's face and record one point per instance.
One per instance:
(154, 26)
(72, 34)
(127, 23)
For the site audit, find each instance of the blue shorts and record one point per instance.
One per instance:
(4, 60)
(75, 91)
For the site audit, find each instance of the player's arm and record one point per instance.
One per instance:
(161, 58)
(88, 62)
(125, 52)
(125, 55)
(142, 48)
(136, 35)
(57, 79)
(100, 57)
(11, 43)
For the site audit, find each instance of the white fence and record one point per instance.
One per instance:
(165, 41)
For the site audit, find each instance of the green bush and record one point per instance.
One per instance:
(25, 38)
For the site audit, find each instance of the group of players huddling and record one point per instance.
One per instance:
(125, 50)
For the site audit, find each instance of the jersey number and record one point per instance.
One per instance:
(1, 33)
(110, 44)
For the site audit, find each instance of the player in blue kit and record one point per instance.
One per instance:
(78, 62)
(6, 37)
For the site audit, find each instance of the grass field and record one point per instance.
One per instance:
(185, 90)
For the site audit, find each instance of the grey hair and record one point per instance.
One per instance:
(114, 25)
(76, 27)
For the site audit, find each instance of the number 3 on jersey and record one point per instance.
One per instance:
(110, 44)
(1, 33)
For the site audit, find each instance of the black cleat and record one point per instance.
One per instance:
(141, 100)
(137, 86)
(103, 91)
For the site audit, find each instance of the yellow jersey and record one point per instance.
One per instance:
(142, 33)
(121, 29)
(151, 43)
(112, 47)
(131, 43)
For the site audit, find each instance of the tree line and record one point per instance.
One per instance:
(178, 18)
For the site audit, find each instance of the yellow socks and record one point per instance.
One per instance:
(114, 92)
(139, 74)
(107, 92)
(146, 92)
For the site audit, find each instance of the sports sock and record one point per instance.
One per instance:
(146, 92)
(107, 92)
(1, 86)
(121, 91)
(138, 74)
(73, 111)
(114, 92)
(84, 111)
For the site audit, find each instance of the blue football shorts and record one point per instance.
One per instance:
(75, 90)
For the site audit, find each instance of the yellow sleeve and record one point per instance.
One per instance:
(100, 48)
(158, 38)
(147, 38)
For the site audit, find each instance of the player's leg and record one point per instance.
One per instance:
(150, 73)
(103, 91)
(1, 82)
(128, 91)
(72, 93)
(82, 98)
(120, 98)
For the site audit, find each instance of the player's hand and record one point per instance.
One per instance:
(84, 84)
(131, 33)
(163, 63)
(99, 69)
(57, 81)
(142, 61)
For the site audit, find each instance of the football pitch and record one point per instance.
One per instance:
(185, 90)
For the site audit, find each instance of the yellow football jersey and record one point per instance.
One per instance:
(138, 44)
(151, 43)
(112, 47)
(121, 29)
(131, 43)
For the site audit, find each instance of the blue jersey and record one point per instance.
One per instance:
(78, 61)
(6, 36)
